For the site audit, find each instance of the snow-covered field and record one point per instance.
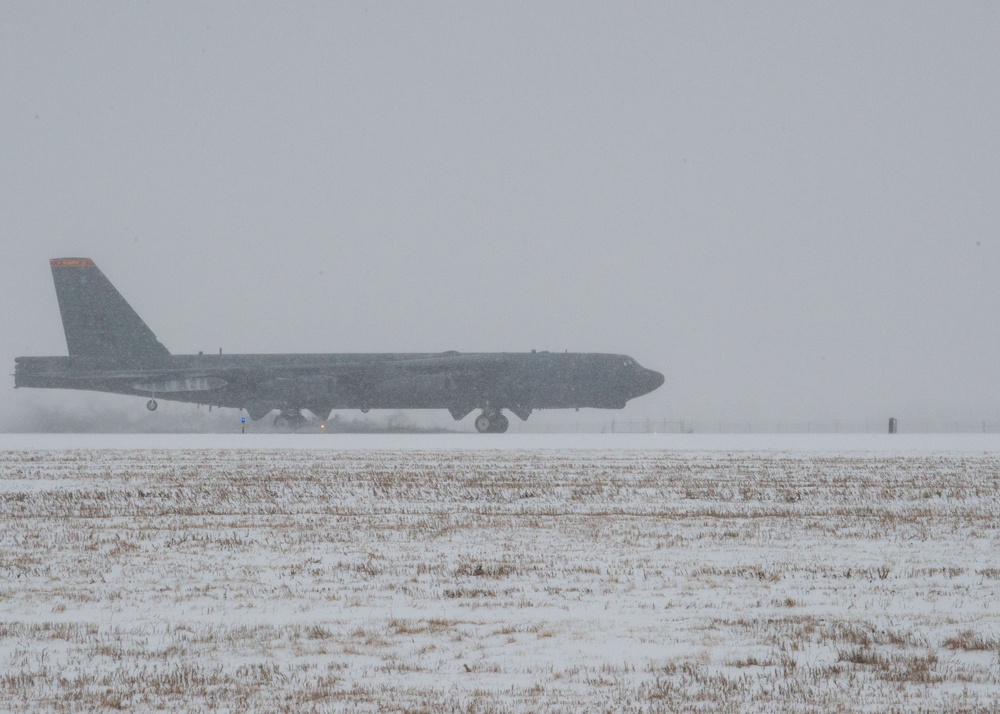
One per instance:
(499, 573)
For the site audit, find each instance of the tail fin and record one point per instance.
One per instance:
(96, 319)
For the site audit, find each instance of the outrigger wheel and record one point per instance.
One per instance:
(491, 423)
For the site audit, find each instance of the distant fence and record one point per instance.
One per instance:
(752, 426)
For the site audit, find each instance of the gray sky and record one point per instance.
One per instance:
(790, 209)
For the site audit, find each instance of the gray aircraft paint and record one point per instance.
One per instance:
(112, 350)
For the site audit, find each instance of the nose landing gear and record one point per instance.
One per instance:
(491, 422)
(151, 405)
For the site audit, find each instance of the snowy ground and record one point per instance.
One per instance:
(495, 573)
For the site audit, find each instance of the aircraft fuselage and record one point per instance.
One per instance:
(112, 350)
(320, 383)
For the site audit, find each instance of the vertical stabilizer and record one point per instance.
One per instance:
(96, 319)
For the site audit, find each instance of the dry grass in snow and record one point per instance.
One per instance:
(491, 581)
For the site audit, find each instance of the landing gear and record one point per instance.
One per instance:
(491, 422)
(151, 405)
(290, 420)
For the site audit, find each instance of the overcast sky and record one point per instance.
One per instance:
(792, 210)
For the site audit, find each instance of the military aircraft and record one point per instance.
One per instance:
(112, 350)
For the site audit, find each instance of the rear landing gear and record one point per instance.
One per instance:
(151, 405)
(491, 423)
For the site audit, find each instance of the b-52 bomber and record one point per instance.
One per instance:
(112, 350)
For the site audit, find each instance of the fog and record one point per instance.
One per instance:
(789, 209)
(54, 412)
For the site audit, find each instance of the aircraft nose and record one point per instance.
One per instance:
(649, 380)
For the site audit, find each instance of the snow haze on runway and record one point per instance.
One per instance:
(764, 443)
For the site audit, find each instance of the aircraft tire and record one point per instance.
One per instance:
(495, 423)
(151, 405)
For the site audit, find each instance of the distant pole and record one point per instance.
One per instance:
(892, 425)
(243, 425)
